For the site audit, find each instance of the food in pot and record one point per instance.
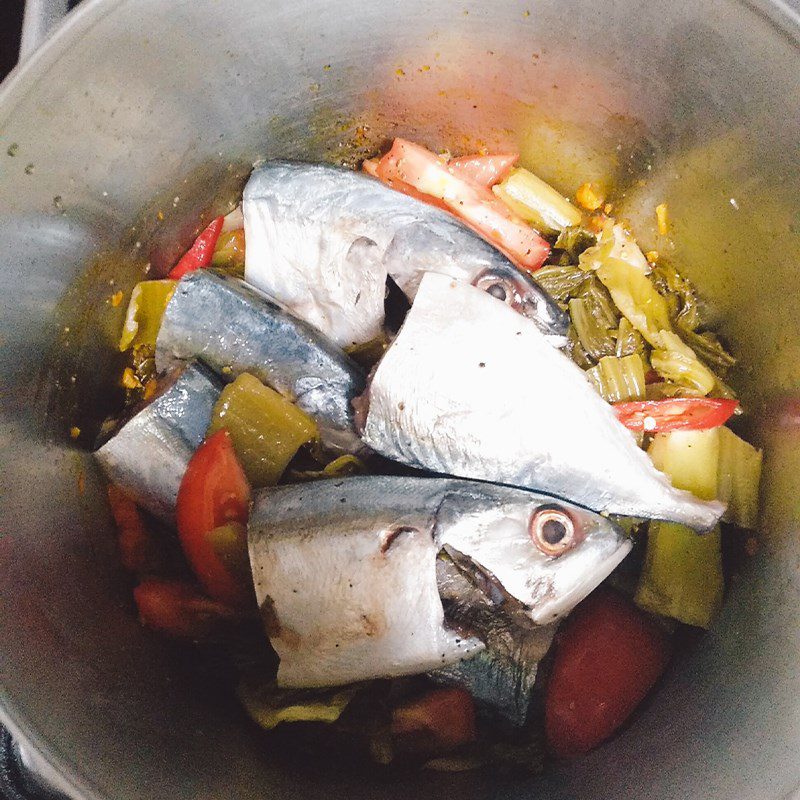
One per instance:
(397, 558)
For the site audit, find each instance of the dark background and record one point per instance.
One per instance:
(10, 26)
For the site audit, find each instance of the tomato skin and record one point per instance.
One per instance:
(676, 414)
(448, 715)
(484, 170)
(200, 254)
(214, 491)
(178, 609)
(477, 206)
(607, 659)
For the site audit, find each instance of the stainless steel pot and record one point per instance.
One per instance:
(693, 104)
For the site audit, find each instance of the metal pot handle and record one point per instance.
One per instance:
(41, 16)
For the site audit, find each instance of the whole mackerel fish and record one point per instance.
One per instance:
(470, 388)
(321, 240)
(148, 453)
(234, 328)
(346, 578)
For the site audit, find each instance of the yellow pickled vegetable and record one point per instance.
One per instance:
(145, 311)
(229, 252)
(536, 201)
(269, 705)
(266, 429)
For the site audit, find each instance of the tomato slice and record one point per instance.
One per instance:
(448, 715)
(411, 165)
(484, 170)
(675, 414)
(214, 493)
(607, 659)
(140, 552)
(178, 609)
(199, 255)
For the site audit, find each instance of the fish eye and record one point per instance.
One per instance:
(497, 290)
(552, 530)
(499, 287)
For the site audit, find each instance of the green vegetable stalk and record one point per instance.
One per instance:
(537, 202)
(619, 379)
(738, 479)
(682, 574)
(596, 338)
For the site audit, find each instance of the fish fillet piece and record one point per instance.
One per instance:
(470, 388)
(148, 453)
(234, 328)
(321, 240)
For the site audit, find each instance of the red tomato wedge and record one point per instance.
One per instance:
(178, 609)
(675, 414)
(430, 176)
(607, 658)
(448, 715)
(139, 550)
(199, 255)
(484, 170)
(214, 492)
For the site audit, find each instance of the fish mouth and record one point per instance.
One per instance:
(560, 602)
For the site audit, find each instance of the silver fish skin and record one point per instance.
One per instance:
(503, 674)
(345, 570)
(322, 240)
(234, 328)
(148, 455)
(491, 400)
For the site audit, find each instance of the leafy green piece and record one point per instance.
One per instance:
(636, 297)
(619, 379)
(575, 350)
(560, 282)
(269, 706)
(678, 363)
(614, 244)
(629, 340)
(572, 242)
(596, 339)
(709, 349)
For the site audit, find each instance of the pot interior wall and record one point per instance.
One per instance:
(691, 104)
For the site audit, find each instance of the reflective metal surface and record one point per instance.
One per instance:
(140, 99)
